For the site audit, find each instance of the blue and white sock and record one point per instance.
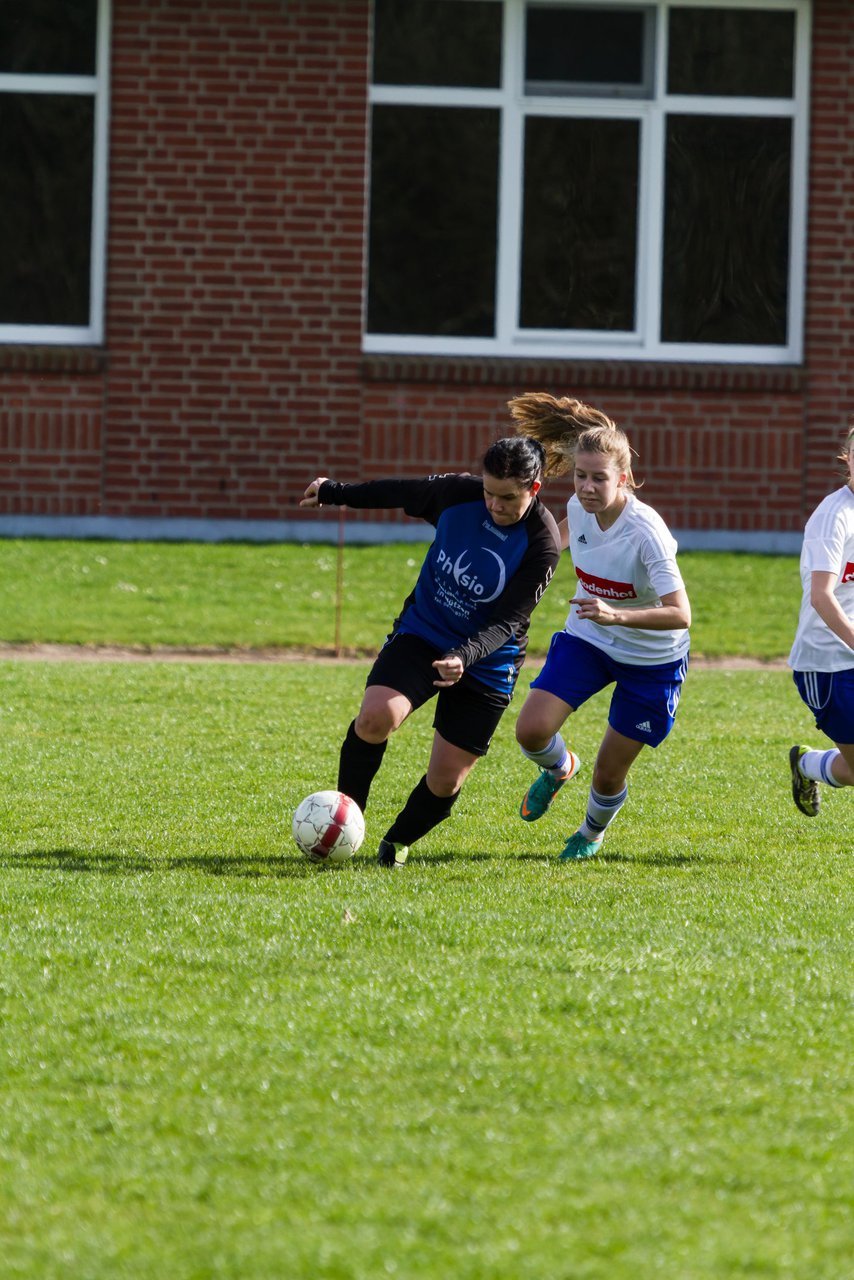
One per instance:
(554, 756)
(817, 766)
(601, 812)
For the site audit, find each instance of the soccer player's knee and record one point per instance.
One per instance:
(374, 724)
(444, 785)
(524, 735)
(531, 736)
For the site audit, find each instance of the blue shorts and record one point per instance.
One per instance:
(830, 697)
(643, 705)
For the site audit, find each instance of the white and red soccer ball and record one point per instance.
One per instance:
(329, 827)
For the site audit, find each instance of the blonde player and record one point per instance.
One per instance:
(627, 625)
(822, 655)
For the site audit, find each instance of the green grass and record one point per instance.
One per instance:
(218, 1061)
(258, 596)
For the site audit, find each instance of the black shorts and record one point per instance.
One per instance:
(467, 714)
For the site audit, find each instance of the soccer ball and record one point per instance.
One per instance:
(329, 827)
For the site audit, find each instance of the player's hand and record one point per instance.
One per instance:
(309, 498)
(596, 610)
(449, 671)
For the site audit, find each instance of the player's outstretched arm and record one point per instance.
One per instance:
(425, 498)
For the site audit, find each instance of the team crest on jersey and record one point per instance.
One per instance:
(606, 588)
(461, 572)
(847, 573)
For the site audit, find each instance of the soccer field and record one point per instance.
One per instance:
(219, 1061)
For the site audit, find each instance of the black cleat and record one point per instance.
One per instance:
(392, 855)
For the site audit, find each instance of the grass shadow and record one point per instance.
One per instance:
(72, 861)
(434, 858)
(100, 862)
(656, 859)
(662, 859)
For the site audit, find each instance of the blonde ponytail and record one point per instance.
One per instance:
(566, 426)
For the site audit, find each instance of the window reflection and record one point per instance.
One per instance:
(583, 50)
(744, 52)
(48, 37)
(46, 180)
(433, 224)
(580, 224)
(438, 42)
(726, 234)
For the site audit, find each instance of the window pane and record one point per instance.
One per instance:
(46, 192)
(438, 42)
(580, 224)
(726, 232)
(52, 37)
(742, 52)
(573, 48)
(433, 225)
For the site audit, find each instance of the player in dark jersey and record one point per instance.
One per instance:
(462, 632)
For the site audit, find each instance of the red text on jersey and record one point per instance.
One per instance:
(605, 588)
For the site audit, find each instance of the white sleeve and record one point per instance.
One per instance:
(658, 554)
(823, 548)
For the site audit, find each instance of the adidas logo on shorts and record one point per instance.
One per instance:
(644, 726)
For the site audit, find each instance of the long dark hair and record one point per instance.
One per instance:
(516, 458)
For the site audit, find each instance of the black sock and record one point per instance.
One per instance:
(357, 766)
(422, 812)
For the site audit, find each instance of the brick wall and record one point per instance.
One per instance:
(51, 432)
(235, 289)
(232, 371)
(717, 448)
(829, 350)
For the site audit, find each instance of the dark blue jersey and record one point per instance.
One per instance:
(479, 581)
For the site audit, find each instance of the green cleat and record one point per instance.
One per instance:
(392, 855)
(540, 794)
(804, 790)
(578, 846)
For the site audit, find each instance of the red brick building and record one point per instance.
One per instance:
(251, 241)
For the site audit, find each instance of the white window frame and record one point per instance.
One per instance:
(97, 88)
(643, 342)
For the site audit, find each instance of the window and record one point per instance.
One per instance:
(584, 50)
(588, 178)
(52, 169)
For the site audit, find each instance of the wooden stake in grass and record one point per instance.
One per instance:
(339, 583)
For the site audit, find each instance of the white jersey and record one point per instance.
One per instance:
(631, 565)
(828, 547)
